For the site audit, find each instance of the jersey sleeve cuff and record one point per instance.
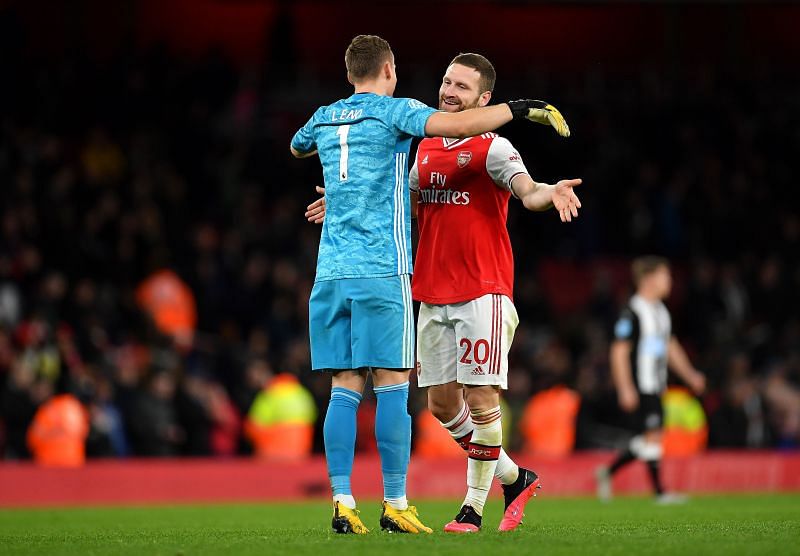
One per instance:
(511, 186)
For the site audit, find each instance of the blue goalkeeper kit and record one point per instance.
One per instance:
(360, 312)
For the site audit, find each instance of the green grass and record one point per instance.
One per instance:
(758, 524)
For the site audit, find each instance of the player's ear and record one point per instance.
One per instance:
(485, 98)
(350, 79)
(387, 69)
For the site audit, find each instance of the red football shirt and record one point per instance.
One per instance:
(464, 251)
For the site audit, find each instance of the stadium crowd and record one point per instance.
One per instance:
(148, 167)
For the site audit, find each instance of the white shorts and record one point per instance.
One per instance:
(466, 342)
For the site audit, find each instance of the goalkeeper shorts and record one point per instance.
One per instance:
(357, 323)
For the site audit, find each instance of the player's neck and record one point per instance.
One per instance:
(377, 87)
(648, 295)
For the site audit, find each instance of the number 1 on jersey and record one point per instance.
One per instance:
(342, 132)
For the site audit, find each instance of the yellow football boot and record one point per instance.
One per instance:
(402, 521)
(346, 520)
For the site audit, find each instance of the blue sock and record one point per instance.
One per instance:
(393, 433)
(340, 437)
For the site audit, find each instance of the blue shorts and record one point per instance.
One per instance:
(361, 322)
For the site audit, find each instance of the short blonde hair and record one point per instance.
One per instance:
(646, 265)
(365, 56)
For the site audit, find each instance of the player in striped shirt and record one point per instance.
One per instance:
(643, 350)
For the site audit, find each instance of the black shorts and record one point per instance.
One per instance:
(650, 415)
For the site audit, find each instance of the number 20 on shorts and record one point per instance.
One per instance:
(477, 350)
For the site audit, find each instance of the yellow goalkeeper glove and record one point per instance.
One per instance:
(540, 112)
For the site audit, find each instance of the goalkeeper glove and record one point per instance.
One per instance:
(540, 112)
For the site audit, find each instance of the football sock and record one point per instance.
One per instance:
(650, 453)
(633, 451)
(345, 500)
(484, 449)
(655, 476)
(507, 472)
(461, 429)
(623, 459)
(339, 432)
(393, 434)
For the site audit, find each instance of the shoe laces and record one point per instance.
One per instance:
(339, 511)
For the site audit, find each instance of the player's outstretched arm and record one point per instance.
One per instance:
(542, 196)
(315, 212)
(468, 122)
(679, 362)
(488, 118)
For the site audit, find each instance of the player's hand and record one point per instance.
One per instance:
(565, 201)
(540, 112)
(315, 212)
(697, 382)
(628, 399)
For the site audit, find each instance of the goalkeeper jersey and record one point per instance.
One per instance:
(363, 143)
(464, 251)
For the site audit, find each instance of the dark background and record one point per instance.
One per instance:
(139, 135)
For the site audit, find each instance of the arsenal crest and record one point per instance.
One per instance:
(463, 158)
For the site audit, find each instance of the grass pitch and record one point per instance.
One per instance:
(757, 524)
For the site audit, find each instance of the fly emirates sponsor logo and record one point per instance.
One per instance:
(438, 194)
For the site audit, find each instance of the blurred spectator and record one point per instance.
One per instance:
(685, 428)
(153, 421)
(211, 421)
(170, 303)
(280, 423)
(226, 422)
(22, 395)
(739, 421)
(548, 422)
(57, 435)
(194, 416)
(257, 374)
(10, 304)
(107, 436)
(783, 397)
